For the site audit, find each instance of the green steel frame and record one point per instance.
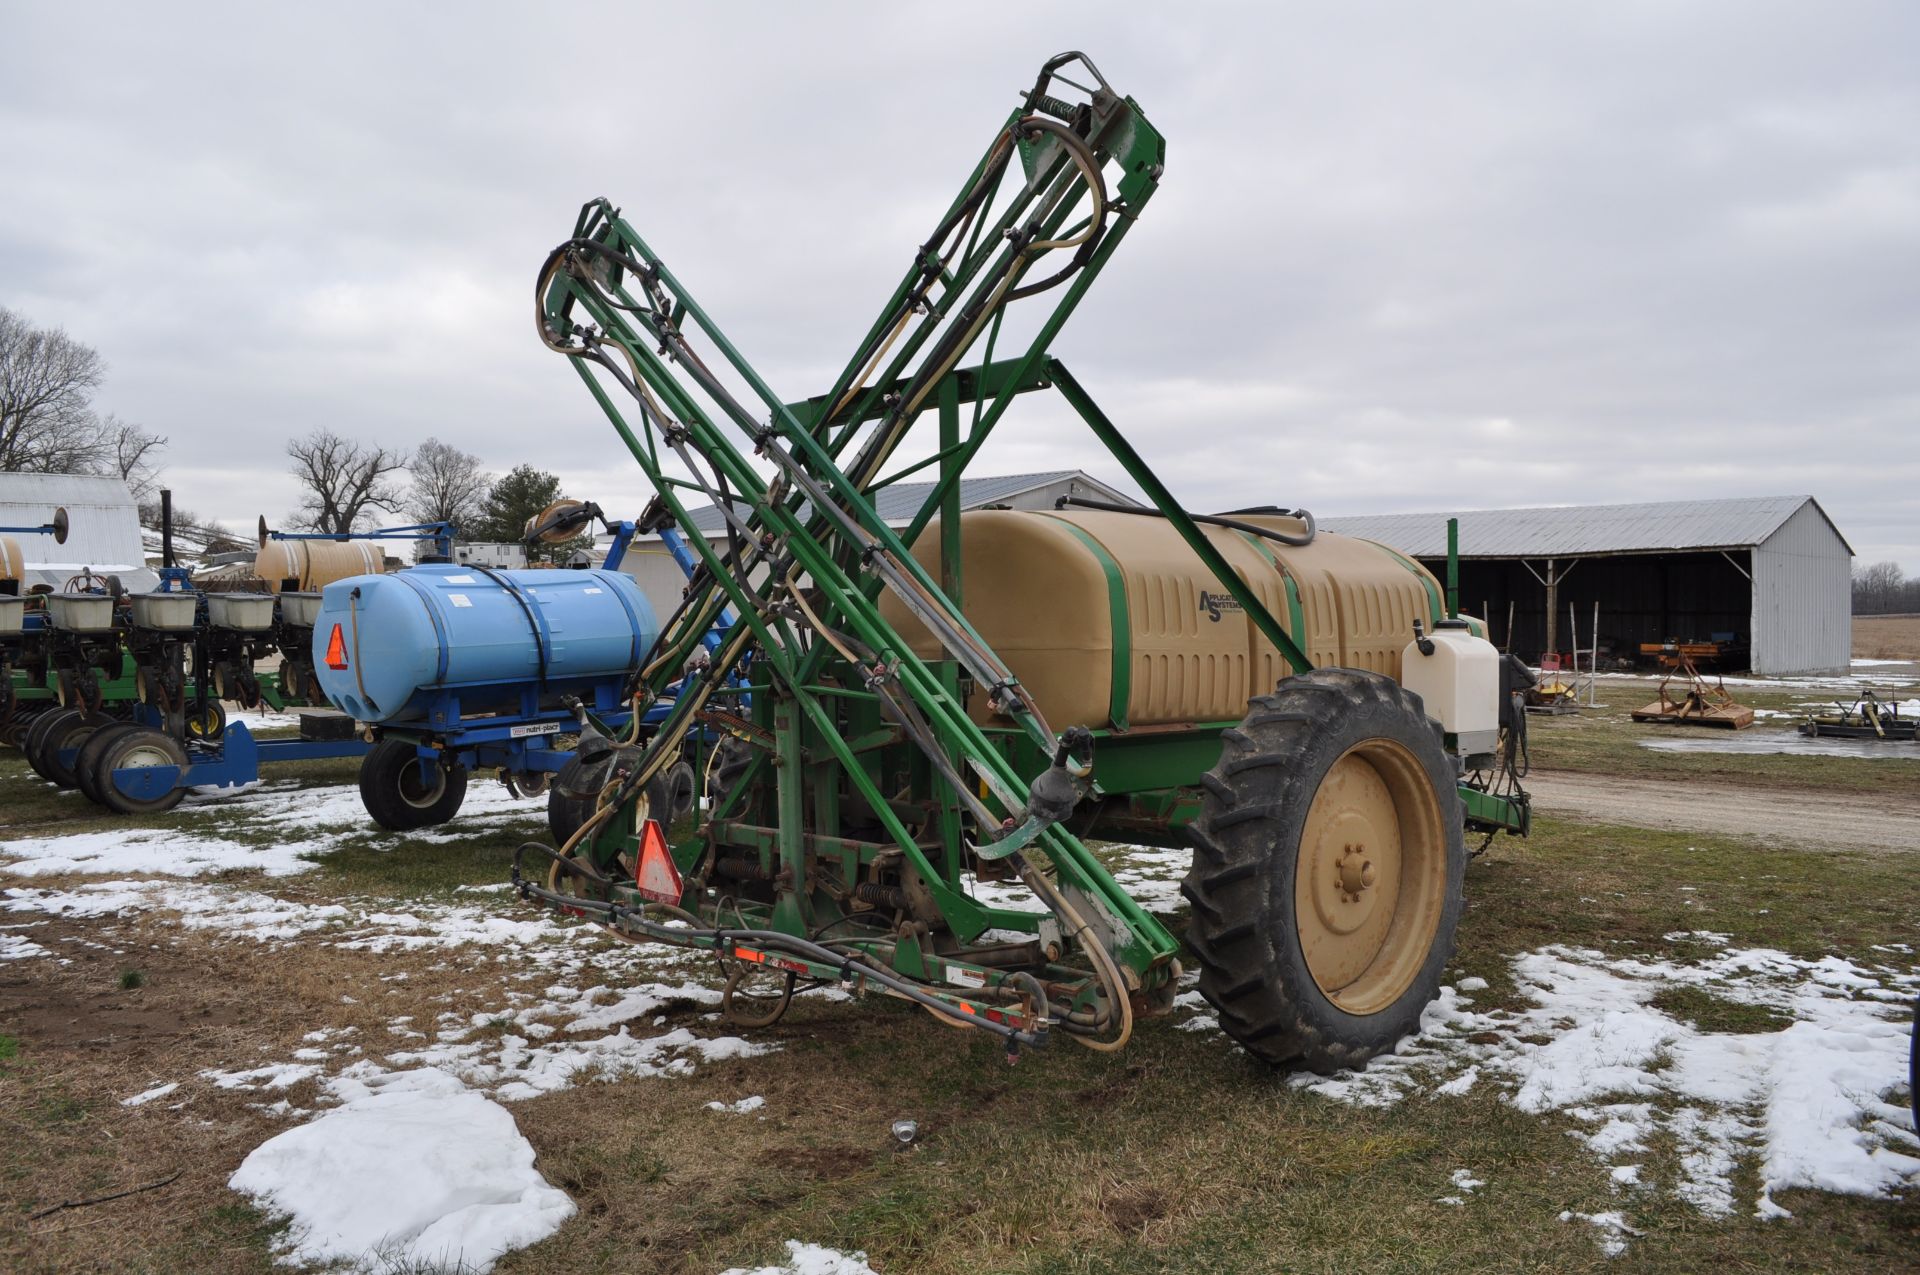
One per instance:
(868, 776)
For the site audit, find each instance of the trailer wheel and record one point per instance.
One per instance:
(69, 732)
(30, 743)
(141, 746)
(567, 808)
(206, 718)
(87, 762)
(1328, 868)
(396, 794)
(670, 795)
(14, 733)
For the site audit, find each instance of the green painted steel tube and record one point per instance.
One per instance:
(1453, 567)
(1169, 508)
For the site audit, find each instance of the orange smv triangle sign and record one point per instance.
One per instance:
(655, 877)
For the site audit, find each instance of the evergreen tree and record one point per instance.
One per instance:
(520, 495)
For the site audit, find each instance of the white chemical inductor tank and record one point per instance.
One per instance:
(1457, 676)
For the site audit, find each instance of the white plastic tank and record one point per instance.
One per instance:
(1459, 682)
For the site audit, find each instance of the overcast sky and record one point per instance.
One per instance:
(1409, 256)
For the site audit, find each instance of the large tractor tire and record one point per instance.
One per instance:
(399, 797)
(1327, 873)
(139, 747)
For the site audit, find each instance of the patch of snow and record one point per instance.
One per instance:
(1472, 984)
(741, 1108)
(1612, 1227)
(272, 1076)
(18, 947)
(1804, 1102)
(147, 1096)
(303, 823)
(810, 1259)
(414, 1169)
(178, 854)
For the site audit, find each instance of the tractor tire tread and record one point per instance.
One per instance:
(1251, 969)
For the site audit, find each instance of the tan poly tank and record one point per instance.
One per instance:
(306, 566)
(1047, 589)
(13, 567)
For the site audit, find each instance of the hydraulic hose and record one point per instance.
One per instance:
(851, 966)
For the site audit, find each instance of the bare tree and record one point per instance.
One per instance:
(345, 482)
(193, 536)
(448, 486)
(47, 421)
(47, 380)
(1878, 589)
(132, 454)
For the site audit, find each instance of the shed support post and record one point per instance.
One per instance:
(1553, 609)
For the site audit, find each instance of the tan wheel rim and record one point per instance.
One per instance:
(1371, 879)
(417, 794)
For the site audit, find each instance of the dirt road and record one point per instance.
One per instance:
(1814, 820)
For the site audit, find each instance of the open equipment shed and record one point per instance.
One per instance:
(1770, 576)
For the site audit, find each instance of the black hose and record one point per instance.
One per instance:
(1216, 520)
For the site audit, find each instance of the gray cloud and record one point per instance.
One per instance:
(1405, 256)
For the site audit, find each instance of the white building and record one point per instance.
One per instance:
(103, 529)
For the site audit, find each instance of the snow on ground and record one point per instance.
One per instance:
(277, 828)
(1806, 1106)
(411, 1162)
(413, 1169)
(741, 1108)
(1810, 1104)
(1788, 742)
(810, 1259)
(1150, 874)
(18, 947)
(1829, 682)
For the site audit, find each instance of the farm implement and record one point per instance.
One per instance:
(42, 671)
(1686, 698)
(1868, 717)
(916, 724)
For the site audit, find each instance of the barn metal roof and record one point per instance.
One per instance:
(1578, 531)
(901, 501)
(103, 531)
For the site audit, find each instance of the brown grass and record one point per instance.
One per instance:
(1177, 1155)
(1886, 637)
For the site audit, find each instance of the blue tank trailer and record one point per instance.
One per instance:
(452, 668)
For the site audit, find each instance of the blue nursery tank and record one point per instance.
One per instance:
(387, 647)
